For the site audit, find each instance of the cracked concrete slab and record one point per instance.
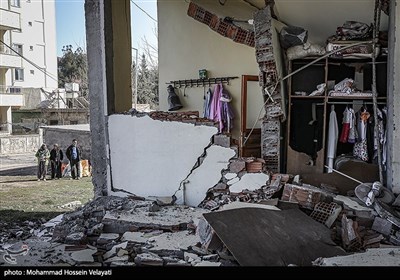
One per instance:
(239, 204)
(83, 256)
(168, 218)
(249, 181)
(113, 250)
(149, 259)
(372, 257)
(207, 175)
(172, 243)
(135, 237)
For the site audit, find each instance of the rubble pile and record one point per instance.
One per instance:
(355, 226)
(305, 225)
(130, 231)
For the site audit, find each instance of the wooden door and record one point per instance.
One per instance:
(251, 103)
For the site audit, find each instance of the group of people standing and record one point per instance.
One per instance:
(56, 156)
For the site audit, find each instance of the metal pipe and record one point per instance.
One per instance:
(136, 76)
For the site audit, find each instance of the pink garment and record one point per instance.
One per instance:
(215, 104)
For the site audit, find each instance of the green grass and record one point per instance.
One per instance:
(22, 197)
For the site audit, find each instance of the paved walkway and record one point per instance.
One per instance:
(18, 165)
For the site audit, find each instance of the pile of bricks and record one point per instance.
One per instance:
(185, 117)
(219, 25)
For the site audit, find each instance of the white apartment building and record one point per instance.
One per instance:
(28, 27)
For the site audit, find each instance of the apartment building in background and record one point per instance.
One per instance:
(28, 54)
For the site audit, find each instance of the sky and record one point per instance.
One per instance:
(70, 21)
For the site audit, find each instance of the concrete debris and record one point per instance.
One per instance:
(71, 205)
(306, 195)
(382, 226)
(249, 182)
(107, 237)
(230, 176)
(134, 237)
(237, 165)
(153, 231)
(370, 258)
(238, 204)
(349, 203)
(350, 236)
(326, 213)
(172, 244)
(114, 249)
(190, 257)
(163, 200)
(149, 259)
(83, 256)
(117, 259)
(222, 140)
(76, 238)
(208, 263)
(233, 181)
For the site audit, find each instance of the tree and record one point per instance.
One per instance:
(147, 83)
(72, 68)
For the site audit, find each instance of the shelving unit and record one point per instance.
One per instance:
(329, 69)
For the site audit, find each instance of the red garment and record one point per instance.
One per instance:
(344, 136)
(345, 133)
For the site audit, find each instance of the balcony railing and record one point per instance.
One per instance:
(6, 50)
(9, 90)
(9, 20)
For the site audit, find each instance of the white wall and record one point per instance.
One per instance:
(42, 37)
(150, 157)
(186, 45)
(321, 18)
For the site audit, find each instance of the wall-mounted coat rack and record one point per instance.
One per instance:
(200, 82)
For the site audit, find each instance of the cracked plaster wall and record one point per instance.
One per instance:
(150, 157)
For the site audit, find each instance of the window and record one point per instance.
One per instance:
(19, 74)
(73, 122)
(31, 48)
(53, 122)
(32, 72)
(15, 3)
(15, 90)
(17, 48)
(30, 23)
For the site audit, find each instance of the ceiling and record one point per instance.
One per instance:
(319, 17)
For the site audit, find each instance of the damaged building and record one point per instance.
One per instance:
(245, 163)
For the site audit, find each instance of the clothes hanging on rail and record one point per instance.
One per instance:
(344, 136)
(220, 108)
(353, 135)
(333, 135)
(360, 149)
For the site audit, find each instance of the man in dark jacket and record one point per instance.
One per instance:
(74, 157)
(56, 157)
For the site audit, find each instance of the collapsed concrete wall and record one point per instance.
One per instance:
(156, 158)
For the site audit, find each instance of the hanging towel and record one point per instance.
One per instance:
(333, 135)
